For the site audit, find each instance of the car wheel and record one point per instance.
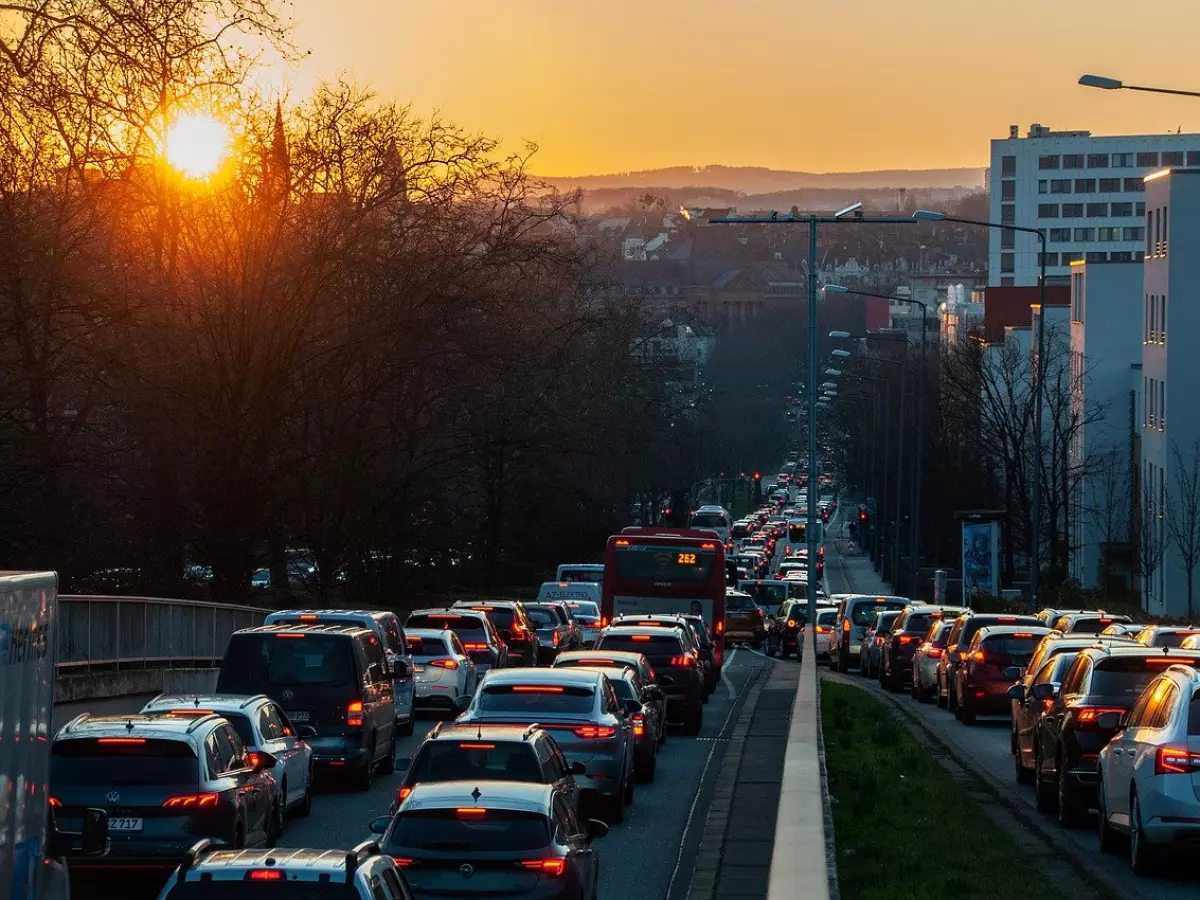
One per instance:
(1069, 813)
(942, 702)
(305, 806)
(1022, 774)
(1106, 838)
(274, 826)
(365, 774)
(388, 766)
(1142, 856)
(1043, 796)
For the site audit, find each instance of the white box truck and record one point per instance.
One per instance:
(30, 845)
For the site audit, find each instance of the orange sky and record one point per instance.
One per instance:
(816, 85)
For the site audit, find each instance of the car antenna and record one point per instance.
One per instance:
(479, 731)
(197, 703)
(129, 724)
(475, 795)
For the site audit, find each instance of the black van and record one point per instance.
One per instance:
(333, 679)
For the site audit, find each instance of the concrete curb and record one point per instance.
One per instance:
(800, 868)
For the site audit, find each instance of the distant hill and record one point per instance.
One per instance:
(756, 180)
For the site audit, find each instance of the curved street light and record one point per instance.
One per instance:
(1104, 83)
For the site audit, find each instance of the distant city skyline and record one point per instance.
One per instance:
(818, 86)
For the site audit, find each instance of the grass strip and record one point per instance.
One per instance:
(905, 829)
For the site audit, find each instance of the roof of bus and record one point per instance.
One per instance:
(643, 535)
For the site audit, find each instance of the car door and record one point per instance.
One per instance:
(564, 778)
(251, 786)
(1121, 755)
(612, 705)
(1050, 722)
(1025, 713)
(282, 741)
(570, 834)
(381, 697)
(400, 662)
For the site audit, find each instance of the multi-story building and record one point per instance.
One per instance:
(1086, 192)
(1170, 421)
(1106, 342)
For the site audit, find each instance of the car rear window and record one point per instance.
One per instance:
(862, 614)
(454, 831)
(263, 890)
(1172, 638)
(441, 760)
(422, 647)
(297, 658)
(469, 628)
(919, 622)
(536, 698)
(827, 617)
(501, 616)
(1089, 626)
(649, 644)
(585, 611)
(1013, 646)
(1127, 677)
(88, 761)
(973, 624)
(542, 618)
(1194, 715)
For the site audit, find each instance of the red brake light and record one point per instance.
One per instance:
(821, 629)
(552, 867)
(476, 746)
(1006, 618)
(707, 546)
(56, 803)
(253, 758)
(641, 637)
(290, 636)
(684, 661)
(604, 621)
(907, 638)
(471, 812)
(475, 646)
(354, 714)
(622, 543)
(1086, 715)
(721, 627)
(935, 652)
(589, 732)
(1170, 661)
(265, 875)
(191, 801)
(307, 617)
(978, 656)
(402, 861)
(121, 741)
(639, 725)
(444, 663)
(1175, 761)
(537, 689)
(402, 794)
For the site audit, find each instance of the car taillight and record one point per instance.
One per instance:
(402, 794)
(354, 714)
(879, 640)
(402, 861)
(821, 629)
(556, 637)
(592, 732)
(721, 627)
(604, 621)
(907, 638)
(444, 663)
(846, 626)
(639, 725)
(684, 661)
(519, 633)
(56, 803)
(978, 656)
(253, 758)
(935, 652)
(192, 801)
(475, 646)
(1085, 716)
(791, 623)
(1175, 761)
(553, 867)
(265, 875)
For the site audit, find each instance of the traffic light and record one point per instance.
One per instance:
(757, 489)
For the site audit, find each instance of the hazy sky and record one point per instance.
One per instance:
(817, 85)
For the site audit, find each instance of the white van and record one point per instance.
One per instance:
(712, 518)
(580, 572)
(569, 592)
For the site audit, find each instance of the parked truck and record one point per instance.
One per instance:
(31, 847)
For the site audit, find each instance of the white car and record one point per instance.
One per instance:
(442, 669)
(826, 619)
(262, 725)
(1149, 773)
(587, 614)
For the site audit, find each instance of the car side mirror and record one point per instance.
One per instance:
(1016, 692)
(596, 829)
(1110, 721)
(380, 825)
(1044, 691)
(578, 768)
(1013, 672)
(306, 731)
(632, 706)
(263, 761)
(94, 835)
(461, 704)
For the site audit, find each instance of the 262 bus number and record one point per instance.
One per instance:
(686, 559)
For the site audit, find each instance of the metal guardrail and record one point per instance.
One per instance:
(145, 632)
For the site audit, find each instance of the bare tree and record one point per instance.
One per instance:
(1183, 512)
(1152, 547)
(1106, 506)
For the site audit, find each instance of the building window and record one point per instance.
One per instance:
(1152, 329)
(1108, 234)
(1145, 402)
(1150, 222)
(1162, 406)
(1098, 209)
(1047, 259)
(1043, 186)
(1008, 213)
(1193, 157)
(1137, 233)
(1147, 159)
(1122, 160)
(1134, 185)
(1097, 160)
(1008, 190)
(1047, 162)
(1008, 166)
(1060, 185)
(1146, 319)
(1006, 263)
(1072, 161)
(1097, 256)
(1162, 320)
(1085, 185)
(1120, 256)
(1139, 255)
(1139, 208)
(1060, 235)
(1072, 210)
(1085, 234)
(1073, 256)
(1047, 210)
(1110, 185)
(1163, 251)
(1172, 158)
(1122, 210)
(1008, 240)
(1007, 281)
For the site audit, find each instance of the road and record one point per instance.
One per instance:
(651, 855)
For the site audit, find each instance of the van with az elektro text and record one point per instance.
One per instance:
(580, 572)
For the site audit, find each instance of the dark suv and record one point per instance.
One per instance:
(491, 753)
(1069, 736)
(895, 666)
(676, 663)
(515, 627)
(165, 781)
(331, 678)
(959, 640)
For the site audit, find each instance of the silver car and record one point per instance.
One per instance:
(581, 709)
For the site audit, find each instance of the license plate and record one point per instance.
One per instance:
(297, 716)
(124, 824)
(418, 669)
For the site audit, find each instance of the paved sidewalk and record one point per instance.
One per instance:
(851, 573)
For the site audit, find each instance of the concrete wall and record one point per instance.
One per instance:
(74, 687)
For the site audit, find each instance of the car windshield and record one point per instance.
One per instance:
(708, 520)
(552, 699)
(442, 760)
(263, 890)
(468, 830)
(643, 562)
(426, 647)
(278, 659)
(468, 628)
(585, 611)
(90, 762)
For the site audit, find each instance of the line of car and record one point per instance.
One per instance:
(495, 801)
(1104, 712)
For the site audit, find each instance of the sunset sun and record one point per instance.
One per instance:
(197, 145)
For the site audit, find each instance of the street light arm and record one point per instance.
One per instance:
(1115, 84)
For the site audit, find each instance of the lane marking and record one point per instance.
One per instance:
(725, 673)
(687, 824)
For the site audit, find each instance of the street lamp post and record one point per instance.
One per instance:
(1115, 84)
(851, 215)
(880, 481)
(1039, 370)
(914, 542)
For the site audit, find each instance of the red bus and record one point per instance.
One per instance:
(666, 570)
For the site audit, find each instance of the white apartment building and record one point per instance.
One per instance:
(1106, 343)
(1170, 418)
(1086, 193)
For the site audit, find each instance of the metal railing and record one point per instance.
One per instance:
(146, 632)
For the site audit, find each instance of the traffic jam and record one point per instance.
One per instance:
(1103, 713)
(550, 713)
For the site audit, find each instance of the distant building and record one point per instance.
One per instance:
(1085, 191)
(1007, 306)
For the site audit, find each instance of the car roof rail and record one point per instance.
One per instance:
(192, 857)
(200, 721)
(528, 732)
(437, 730)
(366, 849)
(78, 720)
